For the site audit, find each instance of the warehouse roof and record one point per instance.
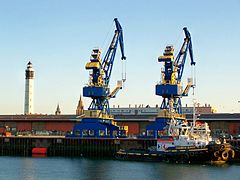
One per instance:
(38, 117)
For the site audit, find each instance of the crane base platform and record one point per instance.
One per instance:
(97, 128)
(156, 128)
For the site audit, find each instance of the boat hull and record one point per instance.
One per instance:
(175, 155)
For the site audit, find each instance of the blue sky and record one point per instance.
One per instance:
(58, 36)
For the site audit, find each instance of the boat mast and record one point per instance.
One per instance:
(193, 99)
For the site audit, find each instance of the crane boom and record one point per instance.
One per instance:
(181, 57)
(108, 60)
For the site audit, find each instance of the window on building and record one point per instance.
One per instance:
(136, 112)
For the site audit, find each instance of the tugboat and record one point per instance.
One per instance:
(181, 142)
(185, 141)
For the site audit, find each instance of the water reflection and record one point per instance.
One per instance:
(83, 168)
(27, 169)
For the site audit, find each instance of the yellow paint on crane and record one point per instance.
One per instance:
(170, 57)
(93, 65)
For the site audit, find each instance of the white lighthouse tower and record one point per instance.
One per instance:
(29, 76)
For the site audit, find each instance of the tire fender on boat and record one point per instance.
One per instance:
(186, 156)
(191, 154)
(222, 147)
(231, 153)
(216, 154)
(225, 155)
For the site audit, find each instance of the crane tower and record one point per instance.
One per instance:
(170, 87)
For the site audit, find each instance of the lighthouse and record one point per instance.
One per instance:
(29, 77)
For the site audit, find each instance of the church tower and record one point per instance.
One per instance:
(29, 77)
(80, 107)
(58, 111)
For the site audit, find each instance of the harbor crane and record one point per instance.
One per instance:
(97, 120)
(170, 88)
(98, 87)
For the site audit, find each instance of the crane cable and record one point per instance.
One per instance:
(124, 73)
(106, 39)
(193, 76)
(194, 100)
(177, 43)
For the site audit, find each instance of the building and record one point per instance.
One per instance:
(147, 110)
(138, 117)
(80, 107)
(58, 111)
(135, 118)
(223, 123)
(37, 124)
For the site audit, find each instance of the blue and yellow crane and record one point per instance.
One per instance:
(170, 88)
(97, 120)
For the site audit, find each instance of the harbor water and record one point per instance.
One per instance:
(34, 168)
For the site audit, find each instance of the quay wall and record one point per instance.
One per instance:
(61, 146)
